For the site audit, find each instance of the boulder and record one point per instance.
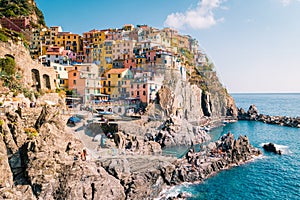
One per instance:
(271, 148)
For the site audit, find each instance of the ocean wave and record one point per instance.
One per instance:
(174, 191)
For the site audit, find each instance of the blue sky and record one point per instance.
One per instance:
(254, 44)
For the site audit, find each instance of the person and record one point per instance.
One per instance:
(83, 155)
(69, 146)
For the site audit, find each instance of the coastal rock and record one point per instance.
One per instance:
(142, 176)
(226, 152)
(46, 165)
(253, 115)
(271, 148)
(133, 144)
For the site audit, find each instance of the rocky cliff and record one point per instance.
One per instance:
(190, 103)
(39, 160)
(199, 95)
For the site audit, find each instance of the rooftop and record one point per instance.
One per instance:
(117, 70)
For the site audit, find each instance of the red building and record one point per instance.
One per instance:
(16, 24)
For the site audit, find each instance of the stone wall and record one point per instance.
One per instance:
(34, 74)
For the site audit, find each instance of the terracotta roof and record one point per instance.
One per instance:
(117, 71)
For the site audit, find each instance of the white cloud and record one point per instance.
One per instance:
(200, 17)
(285, 2)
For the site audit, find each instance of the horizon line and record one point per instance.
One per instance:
(264, 92)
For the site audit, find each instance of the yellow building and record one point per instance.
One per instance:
(106, 55)
(93, 42)
(71, 41)
(41, 39)
(117, 83)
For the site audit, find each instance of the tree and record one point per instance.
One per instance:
(8, 66)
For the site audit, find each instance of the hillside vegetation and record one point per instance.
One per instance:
(16, 8)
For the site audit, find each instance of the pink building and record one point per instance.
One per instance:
(58, 55)
(145, 86)
(130, 63)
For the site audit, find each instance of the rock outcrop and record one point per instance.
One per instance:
(43, 162)
(143, 177)
(222, 154)
(191, 103)
(271, 148)
(253, 115)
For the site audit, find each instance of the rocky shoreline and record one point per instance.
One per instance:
(253, 115)
(47, 165)
(143, 177)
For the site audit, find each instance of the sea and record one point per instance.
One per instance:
(268, 177)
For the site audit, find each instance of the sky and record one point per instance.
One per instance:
(254, 44)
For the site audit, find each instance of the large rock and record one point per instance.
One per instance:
(143, 177)
(271, 148)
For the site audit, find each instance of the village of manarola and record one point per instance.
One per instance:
(149, 100)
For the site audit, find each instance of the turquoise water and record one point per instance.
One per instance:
(271, 104)
(269, 177)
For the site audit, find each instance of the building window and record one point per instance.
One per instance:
(108, 75)
(119, 75)
(104, 90)
(108, 83)
(74, 74)
(88, 90)
(144, 93)
(98, 91)
(144, 86)
(131, 86)
(75, 68)
(137, 93)
(104, 83)
(138, 86)
(108, 89)
(132, 93)
(74, 82)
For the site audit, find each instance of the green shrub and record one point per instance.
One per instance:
(31, 132)
(3, 37)
(8, 65)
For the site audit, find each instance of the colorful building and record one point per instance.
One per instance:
(84, 80)
(59, 55)
(145, 86)
(117, 83)
(61, 74)
(41, 39)
(70, 41)
(123, 49)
